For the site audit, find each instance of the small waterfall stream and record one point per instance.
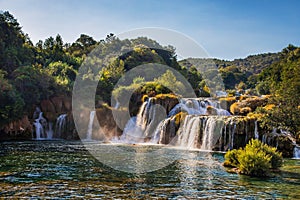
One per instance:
(43, 129)
(189, 132)
(142, 128)
(90, 126)
(296, 152)
(212, 133)
(49, 131)
(39, 130)
(60, 125)
(41, 125)
(256, 130)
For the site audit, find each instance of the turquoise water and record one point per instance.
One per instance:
(63, 169)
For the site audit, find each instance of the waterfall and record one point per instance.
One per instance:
(206, 132)
(131, 132)
(191, 106)
(90, 126)
(117, 105)
(40, 124)
(231, 134)
(143, 115)
(202, 132)
(212, 133)
(60, 125)
(256, 130)
(142, 128)
(39, 130)
(208, 127)
(160, 131)
(296, 152)
(198, 106)
(189, 132)
(49, 131)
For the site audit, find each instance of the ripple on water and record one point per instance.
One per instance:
(61, 169)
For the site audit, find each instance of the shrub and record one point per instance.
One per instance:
(254, 163)
(231, 158)
(276, 157)
(256, 159)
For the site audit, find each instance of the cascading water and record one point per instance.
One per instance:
(212, 133)
(206, 132)
(40, 124)
(89, 133)
(198, 107)
(189, 132)
(60, 125)
(296, 152)
(231, 134)
(49, 131)
(160, 130)
(256, 131)
(142, 127)
(208, 127)
(133, 131)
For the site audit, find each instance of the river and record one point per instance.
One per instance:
(65, 169)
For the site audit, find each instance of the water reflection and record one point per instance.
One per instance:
(63, 169)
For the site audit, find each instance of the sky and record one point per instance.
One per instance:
(226, 29)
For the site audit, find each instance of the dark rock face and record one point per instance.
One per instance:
(20, 129)
(51, 108)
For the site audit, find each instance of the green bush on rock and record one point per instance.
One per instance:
(256, 159)
(231, 158)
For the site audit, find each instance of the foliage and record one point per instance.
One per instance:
(63, 73)
(256, 159)
(169, 80)
(231, 158)
(33, 85)
(11, 106)
(237, 70)
(284, 81)
(254, 163)
(232, 76)
(15, 47)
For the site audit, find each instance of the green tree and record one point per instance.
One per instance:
(63, 74)
(169, 80)
(11, 106)
(284, 81)
(15, 47)
(33, 85)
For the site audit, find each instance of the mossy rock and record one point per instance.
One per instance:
(244, 111)
(210, 110)
(226, 102)
(242, 107)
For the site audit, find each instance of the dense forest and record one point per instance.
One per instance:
(30, 73)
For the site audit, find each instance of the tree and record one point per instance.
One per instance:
(169, 80)
(33, 85)
(63, 74)
(82, 46)
(11, 106)
(15, 46)
(284, 81)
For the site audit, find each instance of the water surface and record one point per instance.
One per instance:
(64, 169)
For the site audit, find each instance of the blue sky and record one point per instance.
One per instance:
(227, 29)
